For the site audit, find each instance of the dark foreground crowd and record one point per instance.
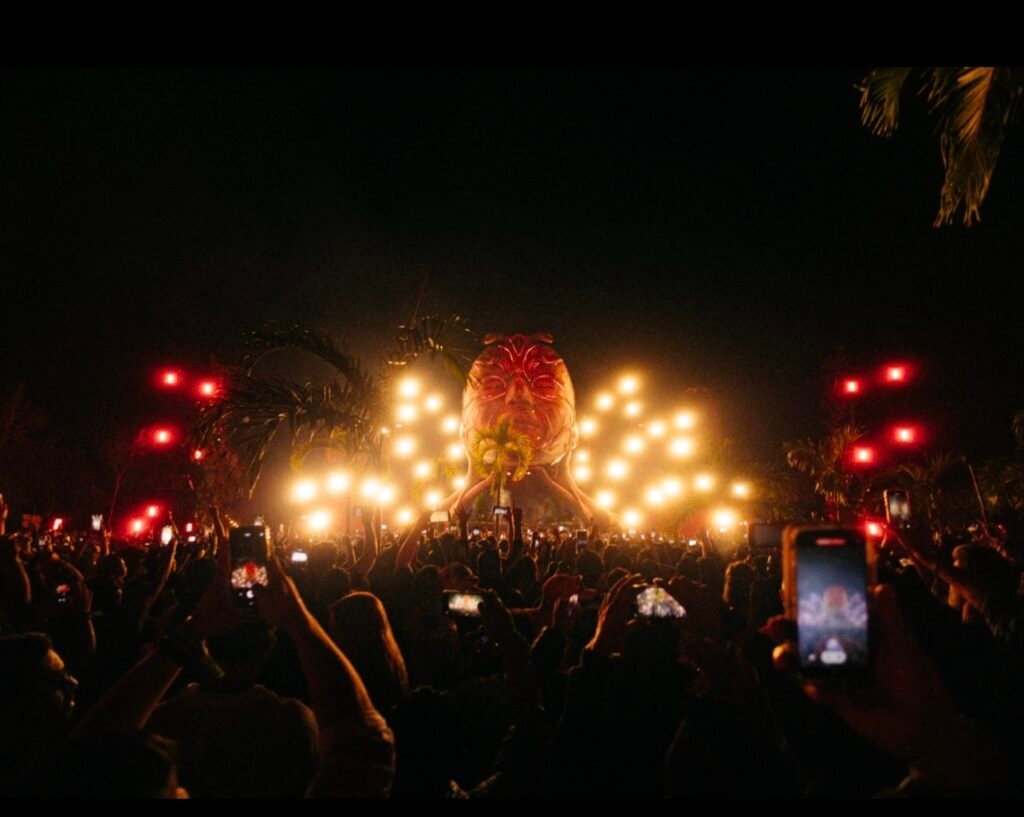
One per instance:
(130, 670)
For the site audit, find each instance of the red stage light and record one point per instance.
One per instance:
(189, 527)
(170, 378)
(152, 511)
(863, 455)
(161, 436)
(874, 529)
(851, 386)
(198, 454)
(896, 374)
(905, 434)
(208, 388)
(137, 525)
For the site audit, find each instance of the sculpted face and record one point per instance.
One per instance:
(522, 379)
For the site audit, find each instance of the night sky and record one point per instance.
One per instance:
(728, 228)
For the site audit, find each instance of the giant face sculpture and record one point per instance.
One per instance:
(522, 379)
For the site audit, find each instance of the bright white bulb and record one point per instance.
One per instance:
(319, 520)
(337, 483)
(703, 482)
(681, 447)
(617, 469)
(404, 446)
(685, 420)
(634, 444)
(409, 387)
(432, 404)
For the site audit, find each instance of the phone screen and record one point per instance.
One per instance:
(500, 510)
(581, 538)
(897, 509)
(63, 591)
(439, 517)
(249, 551)
(831, 575)
(300, 557)
(464, 604)
(657, 602)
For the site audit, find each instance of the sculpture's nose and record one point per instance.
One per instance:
(518, 393)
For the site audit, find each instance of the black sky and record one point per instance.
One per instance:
(732, 226)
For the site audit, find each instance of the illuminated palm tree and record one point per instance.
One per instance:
(823, 460)
(973, 105)
(927, 484)
(496, 449)
(345, 412)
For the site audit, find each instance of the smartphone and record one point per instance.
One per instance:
(63, 591)
(574, 603)
(897, 509)
(299, 557)
(439, 516)
(476, 531)
(97, 521)
(464, 604)
(250, 549)
(166, 534)
(657, 602)
(581, 538)
(500, 510)
(827, 573)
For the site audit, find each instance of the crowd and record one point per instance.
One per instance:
(131, 670)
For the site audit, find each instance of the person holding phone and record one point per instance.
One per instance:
(907, 711)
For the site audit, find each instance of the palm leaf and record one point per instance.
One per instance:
(976, 114)
(880, 99)
(275, 337)
(974, 106)
(446, 337)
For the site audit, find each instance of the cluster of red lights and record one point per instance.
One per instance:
(206, 388)
(902, 434)
(145, 521)
(893, 374)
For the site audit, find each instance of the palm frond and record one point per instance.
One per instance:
(446, 337)
(880, 99)
(974, 106)
(253, 410)
(975, 117)
(274, 337)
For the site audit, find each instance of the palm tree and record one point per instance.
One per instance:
(927, 482)
(823, 461)
(345, 413)
(974, 106)
(495, 449)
